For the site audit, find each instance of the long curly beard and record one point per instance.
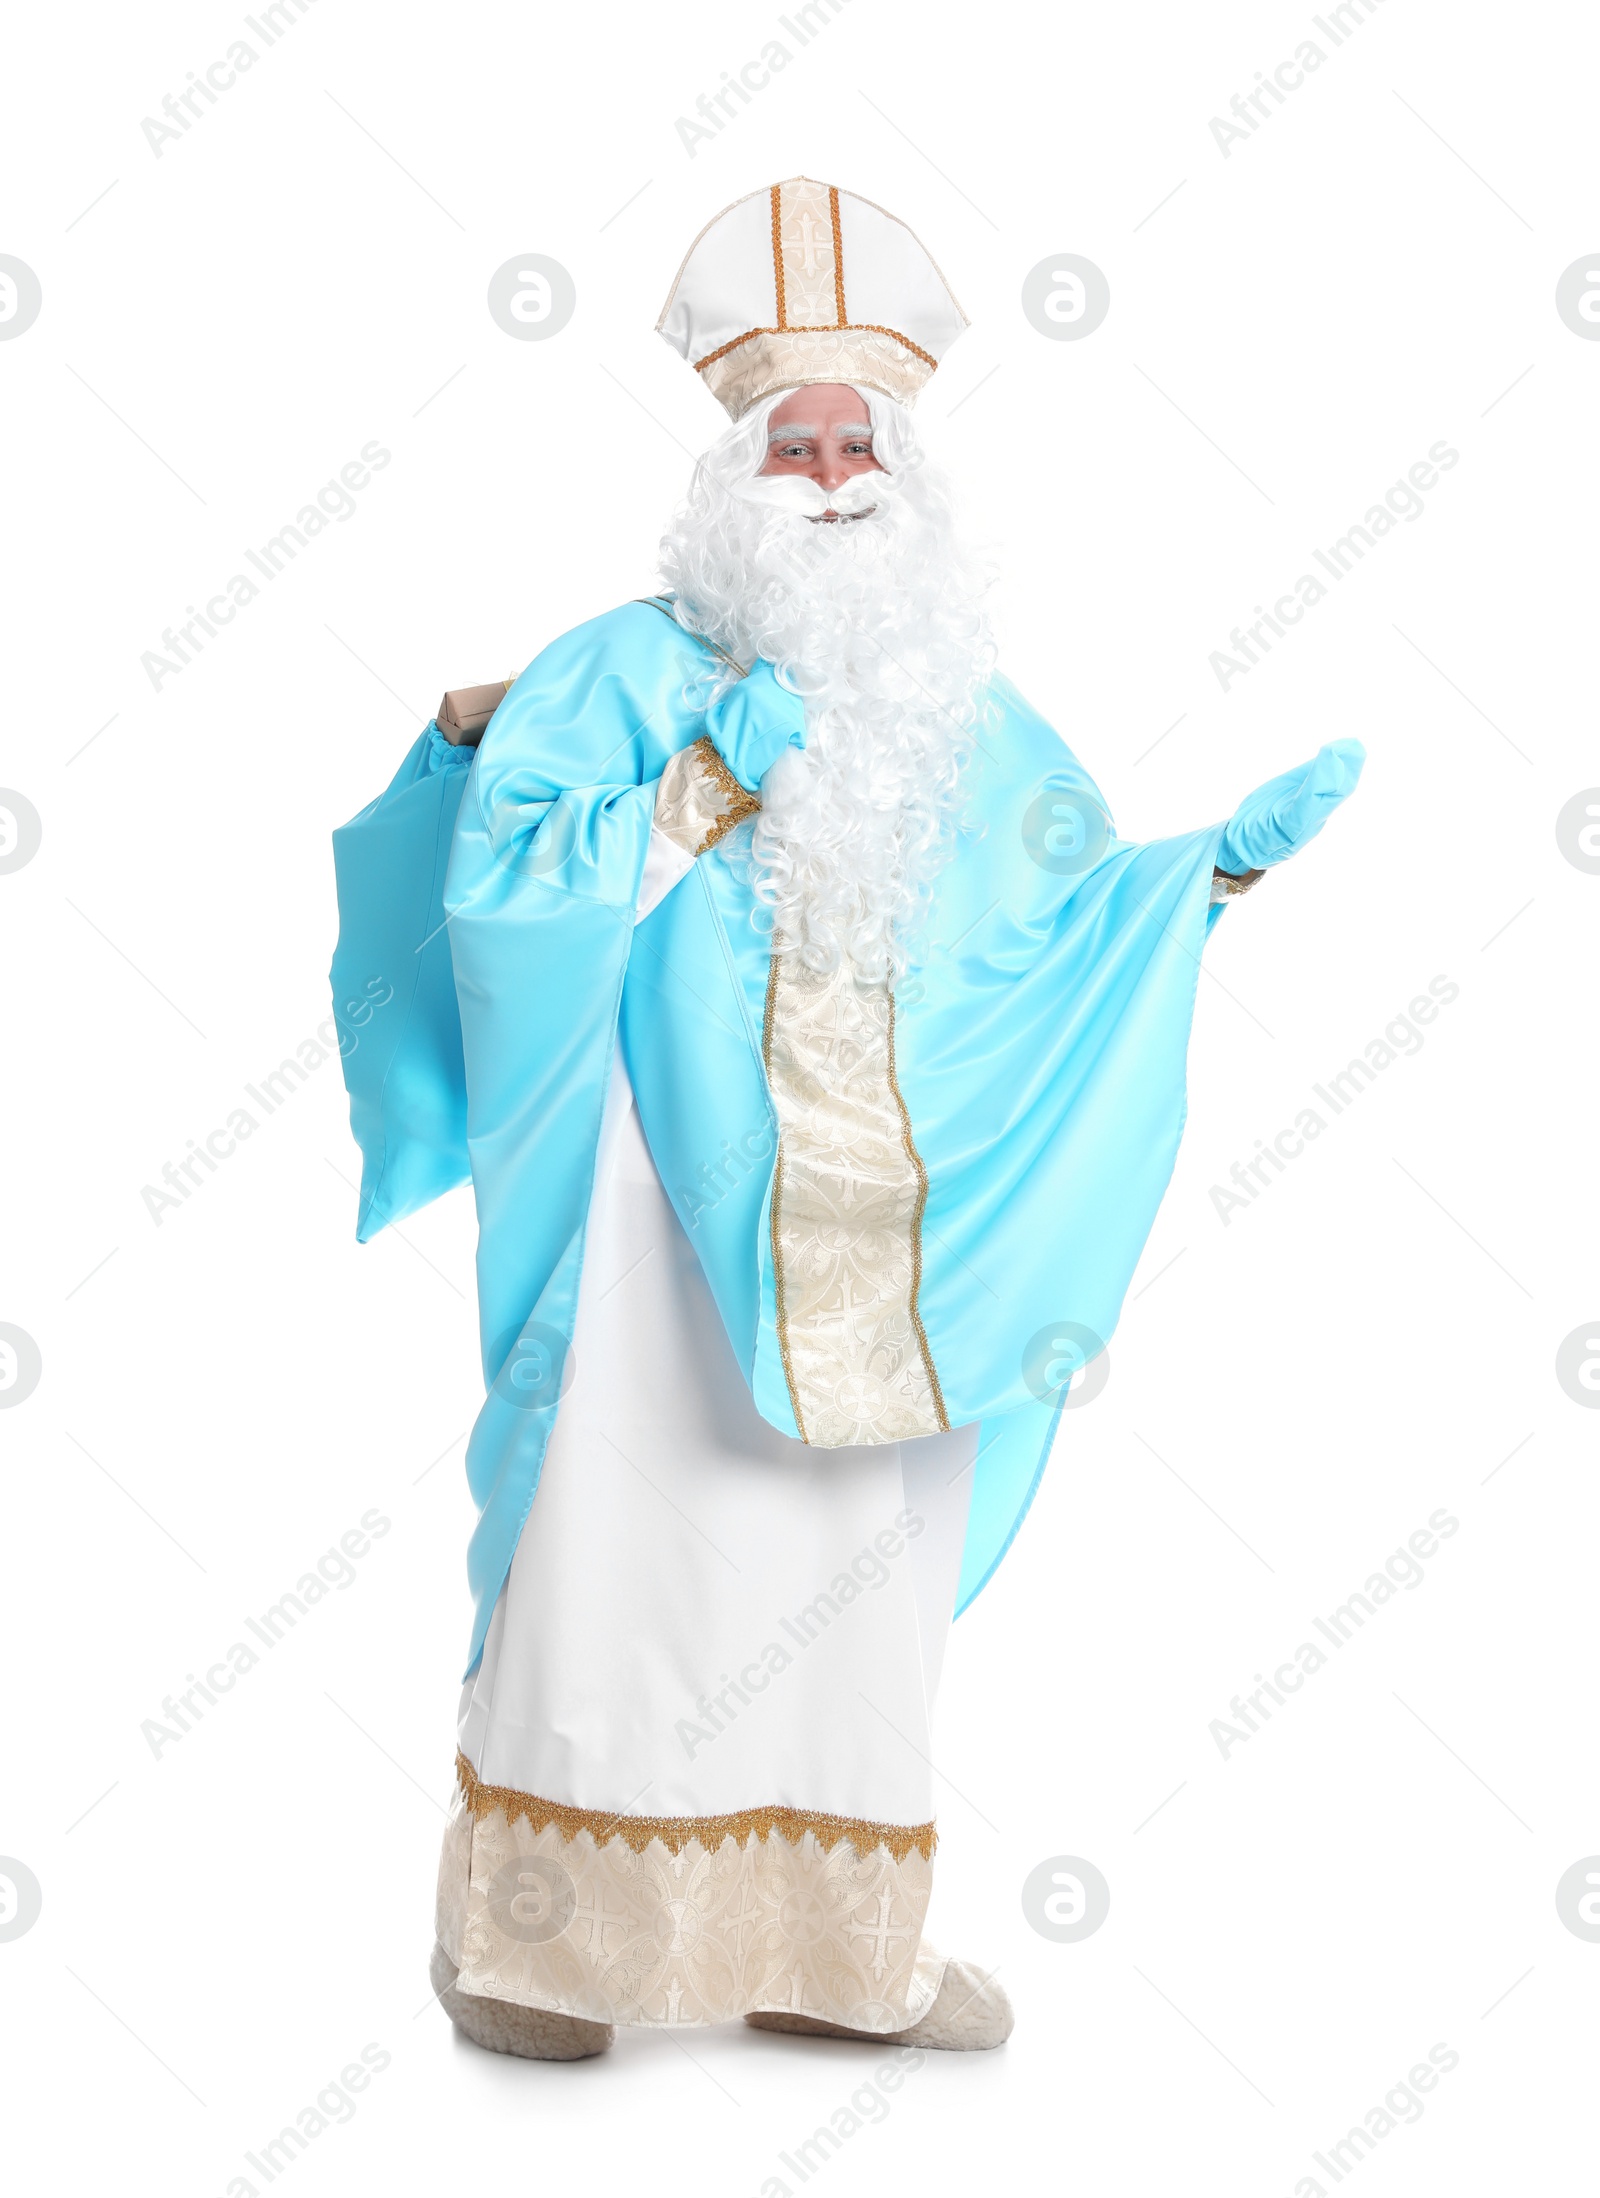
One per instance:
(879, 622)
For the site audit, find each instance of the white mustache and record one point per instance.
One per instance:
(792, 492)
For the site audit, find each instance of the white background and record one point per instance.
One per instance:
(1291, 1395)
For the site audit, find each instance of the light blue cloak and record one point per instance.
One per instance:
(1040, 1050)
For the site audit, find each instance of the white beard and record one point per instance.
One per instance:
(879, 623)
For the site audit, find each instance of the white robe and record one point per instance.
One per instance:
(704, 1620)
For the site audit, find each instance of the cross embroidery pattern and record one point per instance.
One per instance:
(879, 1935)
(811, 233)
(805, 244)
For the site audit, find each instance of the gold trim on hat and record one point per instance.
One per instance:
(809, 339)
(766, 361)
(777, 253)
(808, 253)
(863, 328)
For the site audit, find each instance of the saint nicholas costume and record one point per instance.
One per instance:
(783, 1276)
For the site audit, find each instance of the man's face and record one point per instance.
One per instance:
(822, 433)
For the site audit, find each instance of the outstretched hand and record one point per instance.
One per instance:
(1277, 819)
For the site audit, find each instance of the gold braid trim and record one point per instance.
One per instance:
(777, 261)
(739, 801)
(866, 328)
(838, 255)
(915, 1158)
(677, 1832)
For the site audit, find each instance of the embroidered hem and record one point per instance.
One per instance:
(685, 1939)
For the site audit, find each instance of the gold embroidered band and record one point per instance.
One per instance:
(848, 1195)
(678, 1832)
(866, 328)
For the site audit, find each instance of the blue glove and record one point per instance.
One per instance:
(752, 724)
(1278, 818)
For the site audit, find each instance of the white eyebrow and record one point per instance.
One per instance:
(798, 433)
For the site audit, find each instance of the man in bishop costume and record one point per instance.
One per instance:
(815, 1049)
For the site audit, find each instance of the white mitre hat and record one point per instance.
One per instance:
(808, 283)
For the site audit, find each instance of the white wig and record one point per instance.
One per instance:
(879, 623)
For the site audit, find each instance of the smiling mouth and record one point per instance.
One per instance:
(838, 518)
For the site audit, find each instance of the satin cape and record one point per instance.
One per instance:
(1040, 1051)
